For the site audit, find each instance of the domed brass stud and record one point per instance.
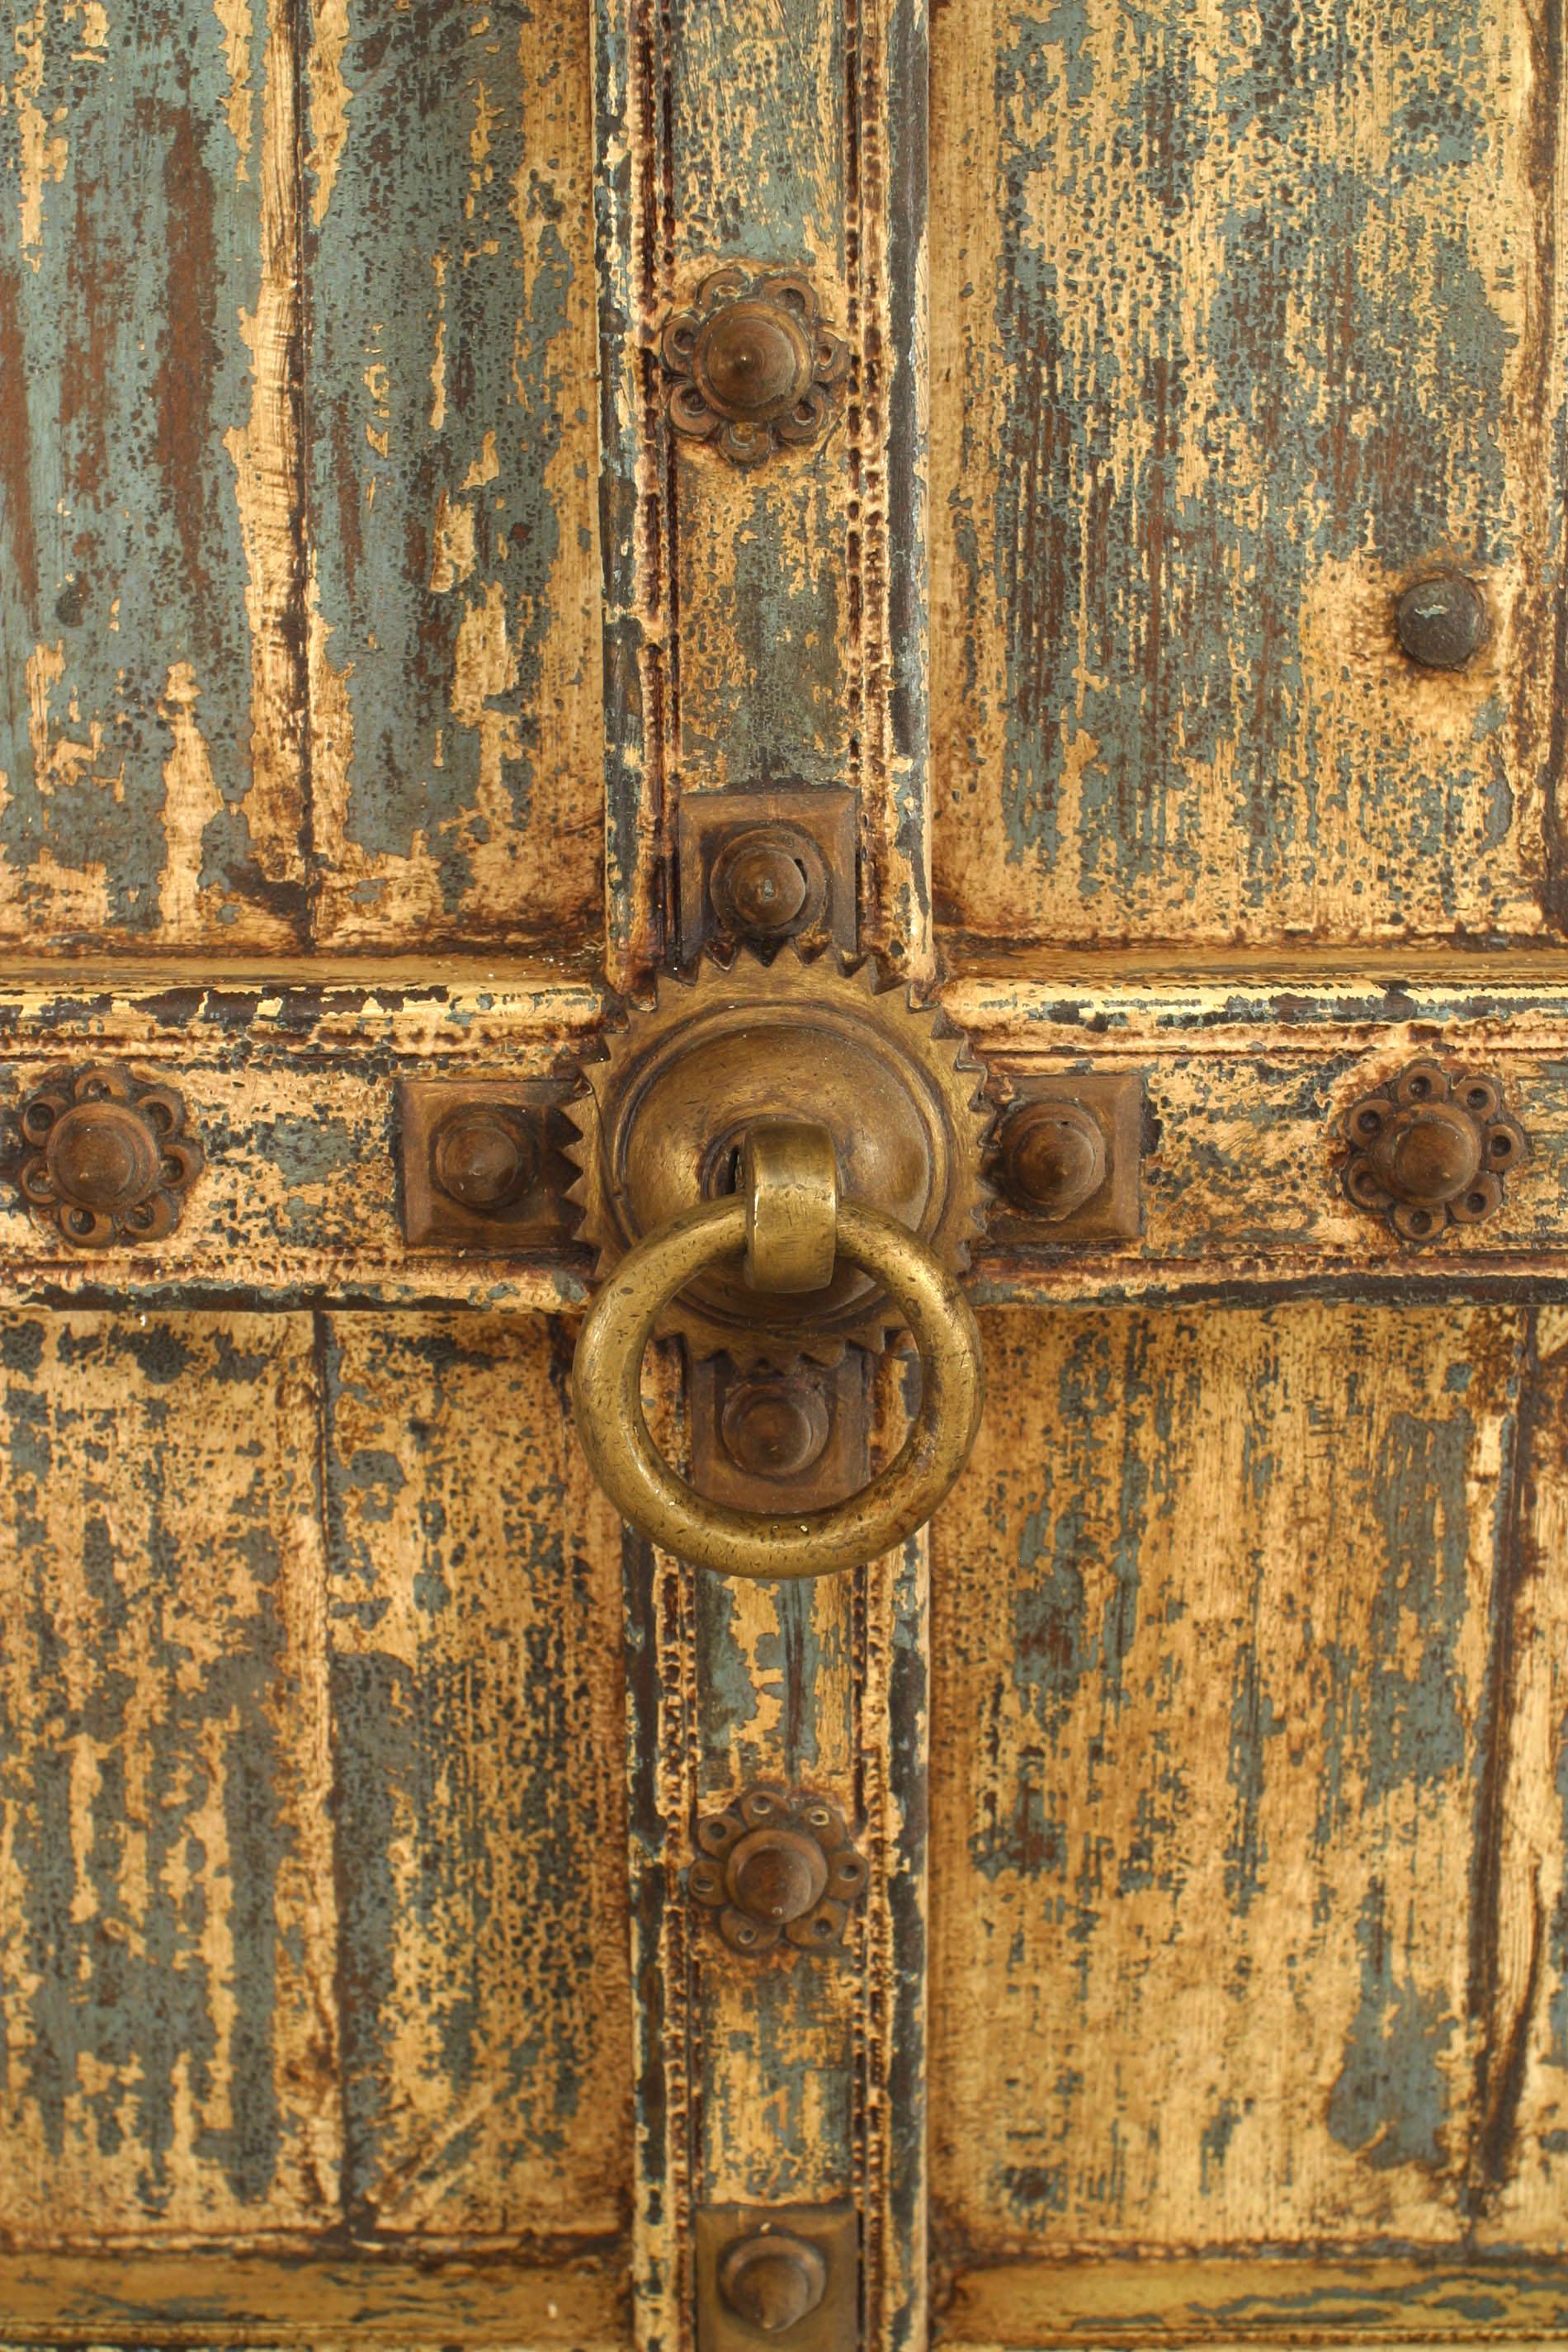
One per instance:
(777, 1868)
(108, 1157)
(752, 368)
(1431, 1150)
(773, 2280)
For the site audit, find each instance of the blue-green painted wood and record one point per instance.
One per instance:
(130, 258)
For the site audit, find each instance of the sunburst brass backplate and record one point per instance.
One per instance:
(686, 1077)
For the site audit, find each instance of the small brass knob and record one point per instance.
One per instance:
(108, 1156)
(773, 2280)
(1441, 621)
(102, 1156)
(1052, 1157)
(481, 1158)
(751, 365)
(776, 1875)
(1429, 1155)
(768, 883)
(774, 1427)
(1432, 1149)
(752, 360)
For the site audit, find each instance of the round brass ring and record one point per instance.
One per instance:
(607, 1380)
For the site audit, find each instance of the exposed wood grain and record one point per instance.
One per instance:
(150, 776)
(477, 1736)
(1219, 2302)
(1213, 1656)
(342, 2303)
(168, 2028)
(455, 695)
(1241, 320)
(1520, 2159)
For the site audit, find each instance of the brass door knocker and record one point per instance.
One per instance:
(793, 1229)
(726, 1216)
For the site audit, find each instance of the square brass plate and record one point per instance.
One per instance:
(833, 2229)
(1114, 1099)
(539, 1217)
(841, 1468)
(707, 819)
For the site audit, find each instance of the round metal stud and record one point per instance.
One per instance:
(1441, 621)
(770, 882)
(773, 2280)
(108, 1158)
(774, 1428)
(481, 1158)
(1432, 1149)
(1052, 1157)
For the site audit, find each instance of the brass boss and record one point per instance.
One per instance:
(787, 1191)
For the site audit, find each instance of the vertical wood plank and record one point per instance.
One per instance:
(477, 1728)
(1215, 1618)
(453, 625)
(1518, 2154)
(793, 2077)
(151, 779)
(1243, 322)
(766, 625)
(168, 2061)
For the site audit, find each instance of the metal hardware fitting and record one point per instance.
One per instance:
(1441, 621)
(669, 1106)
(768, 1441)
(759, 867)
(777, 1868)
(783, 2273)
(108, 1157)
(751, 367)
(606, 1381)
(481, 1164)
(1432, 1149)
(1067, 1162)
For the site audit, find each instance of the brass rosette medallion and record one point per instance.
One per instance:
(683, 1081)
(1431, 1149)
(751, 367)
(107, 1157)
(776, 1868)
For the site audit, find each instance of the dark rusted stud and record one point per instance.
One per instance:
(482, 1158)
(750, 366)
(768, 883)
(1431, 1149)
(773, 2280)
(107, 1156)
(1052, 1157)
(776, 1868)
(775, 1426)
(1441, 621)
(70, 604)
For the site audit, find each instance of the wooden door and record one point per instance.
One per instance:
(371, 641)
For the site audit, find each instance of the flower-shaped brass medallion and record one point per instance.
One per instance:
(106, 1158)
(774, 1866)
(752, 366)
(1432, 1149)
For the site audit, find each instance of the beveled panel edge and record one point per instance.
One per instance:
(1228, 2300)
(339, 2301)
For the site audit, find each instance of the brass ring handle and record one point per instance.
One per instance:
(606, 1381)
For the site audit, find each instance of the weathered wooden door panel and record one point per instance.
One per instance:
(366, 631)
(450, 424)
(309, 1935)
(299, 611)
(151, 777)
(1246, 1801)
(1241, 320)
